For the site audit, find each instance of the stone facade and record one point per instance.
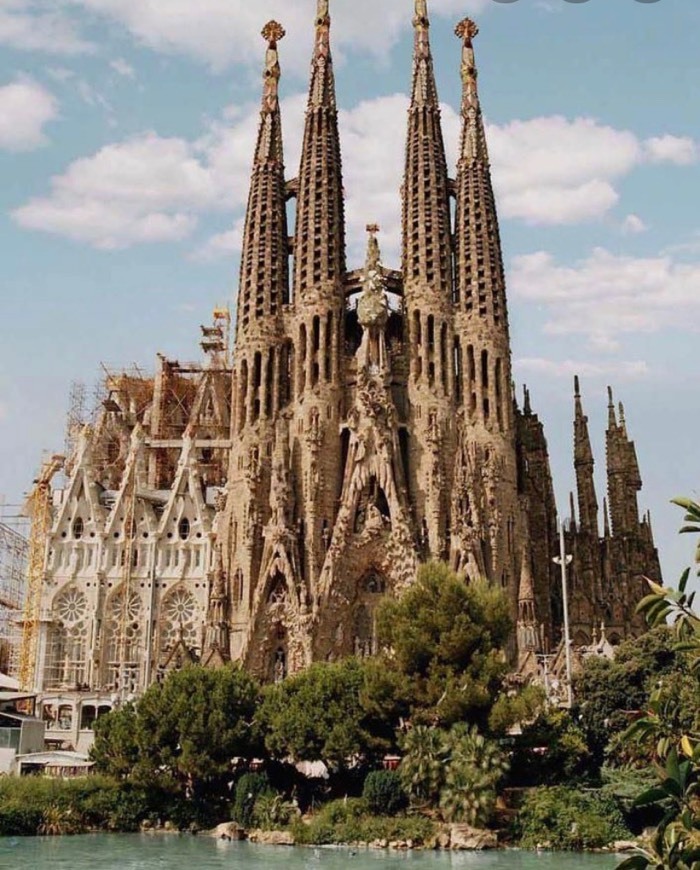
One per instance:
(259, 510)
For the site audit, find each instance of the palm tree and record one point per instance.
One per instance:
(422, 767)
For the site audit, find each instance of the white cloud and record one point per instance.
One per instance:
(607, 296)
(223, 33)
(620, 369)
(633, 225)
(142, 190)
(222, 244)
(123, 68)
(33, 25)
(681, 150)
(25, 109)
(546, 171)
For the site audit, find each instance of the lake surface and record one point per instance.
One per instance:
(173, 852)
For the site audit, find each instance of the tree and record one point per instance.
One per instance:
(551, 750)
(610, 693)
(422, 767)
(116, 748)
(475, 765)
(458, 769)
(676, 841)
(446, 638)
(325, 714)
(182, 734)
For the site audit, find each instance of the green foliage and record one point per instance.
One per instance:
(516, 708)
(475, 766)
(552, 750)
(248, 789)
(182, 734)
(320, 715)
(31, 805)
(671, 729)
(384, 793)
(272, 812)
(349, 821)
(446, 639)
(116, 750)
(459, 770)
(422, 767)
(610, 693)
(569, 820)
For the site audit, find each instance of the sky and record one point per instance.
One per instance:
(126, 138)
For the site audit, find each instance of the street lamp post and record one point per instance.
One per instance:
(563, 560)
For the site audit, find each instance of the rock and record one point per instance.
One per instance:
(443, 838)
(228, 831)
(624, 846)
(271, 838)
(464, 837)
(170, 827)
(378, 844)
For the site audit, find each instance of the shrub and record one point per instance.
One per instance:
(271, 811)
(384, 793)
(348, 821)
(248, 789)
(568, 819)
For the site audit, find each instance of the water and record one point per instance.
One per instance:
(173, 852)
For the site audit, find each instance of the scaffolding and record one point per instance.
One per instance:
(14, 549)
(76, 418)
(38, 508)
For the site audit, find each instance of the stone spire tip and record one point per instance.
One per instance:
(577, 387)
(466, 30)
(323, 17)
(273, 32)
(420, 19)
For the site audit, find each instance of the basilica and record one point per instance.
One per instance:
(257, 505)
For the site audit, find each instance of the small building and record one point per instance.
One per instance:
(56, 764)
(20, 731)
(69, 719)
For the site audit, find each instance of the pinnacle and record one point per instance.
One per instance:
(466, 30)
(273, 32)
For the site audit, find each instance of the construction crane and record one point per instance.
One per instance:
(38, 509)
(124, 645)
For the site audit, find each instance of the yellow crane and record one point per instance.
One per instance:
(38, 508)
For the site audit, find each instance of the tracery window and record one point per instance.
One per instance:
(122, 641)
(66, 658)
(178, 620)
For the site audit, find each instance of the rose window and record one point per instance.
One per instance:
(71, 606)
(179, 620)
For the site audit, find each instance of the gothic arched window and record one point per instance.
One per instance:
(122, 640)
(67, 640)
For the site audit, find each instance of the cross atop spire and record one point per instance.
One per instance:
(264, 257)
(473, 135)
(272, 32)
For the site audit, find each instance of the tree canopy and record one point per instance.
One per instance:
(447, 639)
(182, 733)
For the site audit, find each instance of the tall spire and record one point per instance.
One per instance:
(584, 464)
(612, 419)
(480, 274)
(319, 246)
(427, 242)
(264, 276)
(624, 481)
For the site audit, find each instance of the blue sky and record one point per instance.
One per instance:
(126, 136)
